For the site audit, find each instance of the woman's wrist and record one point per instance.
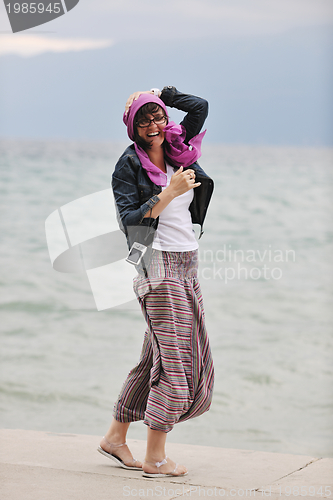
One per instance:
(165, 197)
(167, 95)
(170, 192)
(156, 91)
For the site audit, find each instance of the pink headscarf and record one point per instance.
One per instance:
(179, 153)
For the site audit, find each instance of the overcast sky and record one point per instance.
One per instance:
(100, 23)
(265, 66)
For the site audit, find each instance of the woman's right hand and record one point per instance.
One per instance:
(182, 181)
(134, 97)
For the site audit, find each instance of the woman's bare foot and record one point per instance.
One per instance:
(165, 466)
(121, 451)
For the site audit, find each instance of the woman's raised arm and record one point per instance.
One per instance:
(195, 107)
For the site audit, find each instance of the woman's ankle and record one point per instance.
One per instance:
(153, 459)
(114, 439)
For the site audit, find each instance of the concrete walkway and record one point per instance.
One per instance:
(49, 466)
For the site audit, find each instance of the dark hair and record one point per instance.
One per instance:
(147, 109)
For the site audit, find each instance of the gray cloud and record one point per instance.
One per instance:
(197, 18)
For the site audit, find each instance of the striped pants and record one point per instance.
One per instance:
(174, 378)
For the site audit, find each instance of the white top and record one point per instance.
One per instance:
(175, 232)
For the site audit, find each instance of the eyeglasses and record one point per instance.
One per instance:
(158, 120)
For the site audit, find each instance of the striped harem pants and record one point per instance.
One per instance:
(174, 378)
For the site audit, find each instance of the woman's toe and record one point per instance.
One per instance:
(181, 470)
(137, 463)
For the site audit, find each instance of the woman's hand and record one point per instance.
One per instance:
(133, 97)
(182, 181)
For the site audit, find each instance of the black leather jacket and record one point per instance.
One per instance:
(135, 194)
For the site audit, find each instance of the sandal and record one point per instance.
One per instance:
(159, 474)
(117, 459)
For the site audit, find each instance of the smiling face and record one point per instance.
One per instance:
(154, 132)
(152, 135)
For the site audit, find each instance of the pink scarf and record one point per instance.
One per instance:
(179, 153)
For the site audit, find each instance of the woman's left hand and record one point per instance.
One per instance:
(133, 97)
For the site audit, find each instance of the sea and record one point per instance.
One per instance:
(266, 273)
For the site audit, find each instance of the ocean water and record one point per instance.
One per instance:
(266, 274)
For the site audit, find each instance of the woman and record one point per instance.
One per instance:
(160, 191)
